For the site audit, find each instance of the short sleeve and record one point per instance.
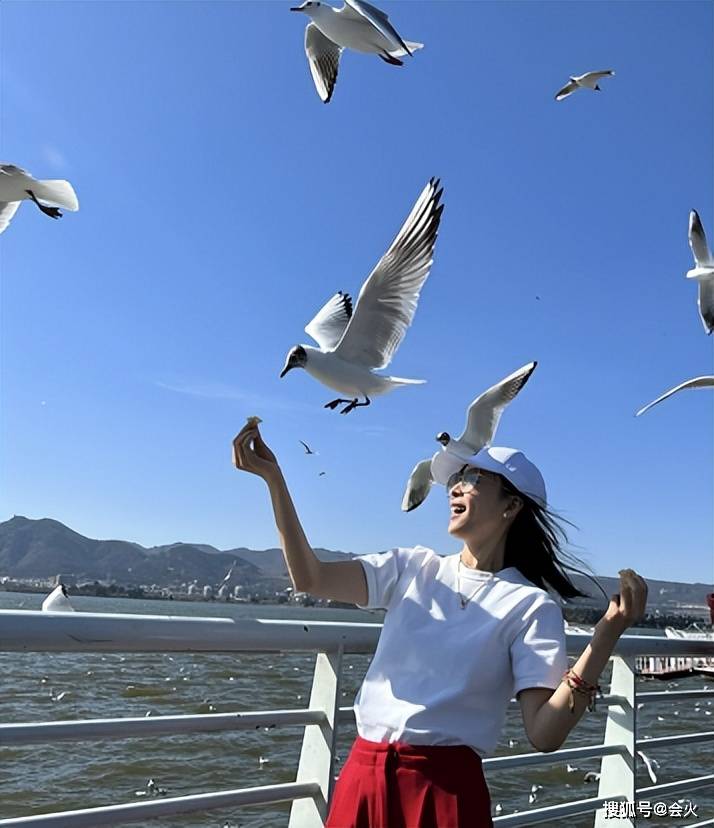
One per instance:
(382, 571)
(538, 653)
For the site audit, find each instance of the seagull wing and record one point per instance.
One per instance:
(307, 448)
(698, 241)
(705, 302)
(568, 89)
(7, 211)
(418, 486)
(697, 382)
(597, 75)
(331, 320)
(485, 411)
(12, 169)
(323, 56)
(388, 299)
(377, 18)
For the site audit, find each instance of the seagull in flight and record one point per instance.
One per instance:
(703, 270)
(356, 25)
(697, 382)
(227, 577)
(17, 185)
(307, 448)
(587, 81)
(482, 420)
(57, 600)
(354, 343)
(651, 765)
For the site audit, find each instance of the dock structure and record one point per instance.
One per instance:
(660, 667)
(310, 791)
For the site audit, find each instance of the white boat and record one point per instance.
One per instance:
(696, 634)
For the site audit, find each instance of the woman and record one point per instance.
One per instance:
(463, 634)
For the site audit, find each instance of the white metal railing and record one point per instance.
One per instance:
(310, 792)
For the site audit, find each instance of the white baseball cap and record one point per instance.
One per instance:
(510, 463)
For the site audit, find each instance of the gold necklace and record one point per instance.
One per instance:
(464, 601)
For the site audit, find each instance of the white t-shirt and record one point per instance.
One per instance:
(442, 675)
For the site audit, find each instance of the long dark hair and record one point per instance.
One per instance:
(535, 546)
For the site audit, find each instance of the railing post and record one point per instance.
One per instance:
(317, 756)
(617, 772)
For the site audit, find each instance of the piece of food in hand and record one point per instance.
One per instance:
(253, 421)
(628, 577)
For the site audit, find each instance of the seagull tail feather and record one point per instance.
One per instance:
(402, 381)
(411, 46)
(57, 191)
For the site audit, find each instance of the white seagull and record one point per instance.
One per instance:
(354, 344)
(482, 420)
(587, 81)
(697, 382)
(18, 185)
(651, 765)
(358, 26)
(703, 270)
(57, 601)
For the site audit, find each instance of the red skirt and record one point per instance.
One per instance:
(410, 786)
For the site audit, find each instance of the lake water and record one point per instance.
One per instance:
(54, 686)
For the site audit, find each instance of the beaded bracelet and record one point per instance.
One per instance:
(577, 684)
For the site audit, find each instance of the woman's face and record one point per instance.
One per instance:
(478, 509)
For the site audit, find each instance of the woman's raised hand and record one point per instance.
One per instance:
(251, 454)
(628, 606)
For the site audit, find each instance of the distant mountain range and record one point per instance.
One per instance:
(45, 548)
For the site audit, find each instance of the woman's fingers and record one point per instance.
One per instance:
(641, 595)
(241, 448)
(633, 595)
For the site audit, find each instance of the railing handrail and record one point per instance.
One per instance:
(35, 631)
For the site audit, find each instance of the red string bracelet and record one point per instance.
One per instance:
(577, 684)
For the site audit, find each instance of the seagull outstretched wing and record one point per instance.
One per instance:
(418, 486)
(698, 241)
(388, 299)
(7, 211)
(323, 57)
(330, 321)
(568, 89)
(697, 382)
(375, 16)
(705, 302)
(485, 411)
(605, 73)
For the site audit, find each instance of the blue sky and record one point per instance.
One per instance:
(222, 204)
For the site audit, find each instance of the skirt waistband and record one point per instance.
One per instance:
(373, 753)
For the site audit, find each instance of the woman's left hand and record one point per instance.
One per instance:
(626, 607)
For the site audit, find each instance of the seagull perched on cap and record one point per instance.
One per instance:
(353, 345)
(703, 271)
(587, 81)
(358, 26)
(482, 421)
(18, 185)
